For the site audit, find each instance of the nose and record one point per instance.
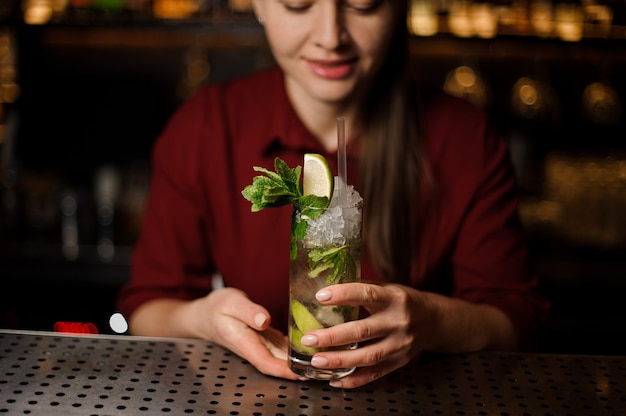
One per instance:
(329, 28)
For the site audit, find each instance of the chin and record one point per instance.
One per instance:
(332, 99)
(333, 91)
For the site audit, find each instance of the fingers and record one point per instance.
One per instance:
(237, 305)
(366, 375)
(244, 329)
(388, 328)
(377, 299)
(363, 294)
(276, 343)
(267, 352)
(354, 331)
(364, 356)
(372, 362)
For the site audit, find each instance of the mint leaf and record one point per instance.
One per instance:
(320, 267)
(254, 193)
(283, 187)
(336, 259)
(274, 177)
(275, 189)
(277, 197)
(312, 206)
(290, 177)
(298, 232)
(344, 269)
(320, 254)
(265, 193)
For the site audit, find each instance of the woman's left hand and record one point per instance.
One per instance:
(401, 323)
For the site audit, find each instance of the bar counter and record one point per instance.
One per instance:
(51, 374)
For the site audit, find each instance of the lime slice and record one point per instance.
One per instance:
(317, 178)
(296, 335)
(305, 321)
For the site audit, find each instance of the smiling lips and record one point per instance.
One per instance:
(332, 69)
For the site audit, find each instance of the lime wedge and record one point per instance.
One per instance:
(305, 321)
(296, 335)
(317, 177)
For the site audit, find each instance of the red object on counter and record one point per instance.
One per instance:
(75, 327)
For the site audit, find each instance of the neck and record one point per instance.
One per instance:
(320, 118)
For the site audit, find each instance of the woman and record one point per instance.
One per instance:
(444, 254)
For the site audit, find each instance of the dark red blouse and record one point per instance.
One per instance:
(197, 224)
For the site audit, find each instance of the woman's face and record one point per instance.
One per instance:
(328, 49)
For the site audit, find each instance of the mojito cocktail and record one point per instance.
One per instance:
(326, 250)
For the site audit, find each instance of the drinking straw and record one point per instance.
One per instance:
(341, 161)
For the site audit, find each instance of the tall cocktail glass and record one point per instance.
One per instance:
(325, 250)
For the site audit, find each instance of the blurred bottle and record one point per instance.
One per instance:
(9, 89)
(601, 104)
(106, 193)
(569, 21)
(59, 10)
(484, 19)
(542, 17)
(599, 16)
(466, 83)
(512, 15)
(196, 71)
(37, 12)
(240, 6)
(423, 18)
(69, 225)
(9, 93)
(176, 9)
(132, 201)
(534, 99)
(459, 18)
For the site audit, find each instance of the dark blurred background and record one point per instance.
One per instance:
(86, 86)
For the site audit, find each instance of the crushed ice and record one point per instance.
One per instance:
(338, 225)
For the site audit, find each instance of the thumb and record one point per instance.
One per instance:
(239, 306)
(261, 320)
(256, 316)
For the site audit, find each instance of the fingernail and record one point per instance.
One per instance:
(319, 362)
(322, 295)
(336, 383)
(309, 340)
(259, 319)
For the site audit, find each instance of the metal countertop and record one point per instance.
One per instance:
(55, 374)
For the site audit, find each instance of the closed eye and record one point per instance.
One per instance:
(360, 6)
(363, 6)
(297, 6)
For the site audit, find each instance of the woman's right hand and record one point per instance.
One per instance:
(226, 317)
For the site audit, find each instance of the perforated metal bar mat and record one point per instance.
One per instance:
(51, 374)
